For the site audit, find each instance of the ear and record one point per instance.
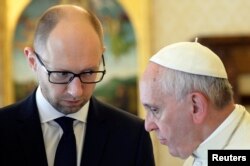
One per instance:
(200, 107)
(31, 59)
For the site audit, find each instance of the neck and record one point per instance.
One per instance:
(215, 118)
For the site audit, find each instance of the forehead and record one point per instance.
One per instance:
(74, 38)
(74, 33)
(152, 75)
(73, 46)
(151, 89)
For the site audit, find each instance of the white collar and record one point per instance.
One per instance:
(225, 131)
(47, 112)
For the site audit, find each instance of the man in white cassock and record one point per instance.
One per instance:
(189, 103)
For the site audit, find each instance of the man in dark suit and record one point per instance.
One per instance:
(68, 61)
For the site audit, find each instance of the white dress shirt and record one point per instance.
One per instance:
(52, 132)
(231, 134)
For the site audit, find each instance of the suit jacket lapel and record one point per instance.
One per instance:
(30, 133)
(96, 135)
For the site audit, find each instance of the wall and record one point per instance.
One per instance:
(3, 28)
(10, 12)
(177, 20)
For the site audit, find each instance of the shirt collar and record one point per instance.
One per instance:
(47, 112)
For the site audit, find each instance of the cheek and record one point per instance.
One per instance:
(88, 89)
(56, 91)
(42, 78)
(91, 86)
(165, 124)
(52, 91)
(164, 129)
(180, 127)
(172, 122)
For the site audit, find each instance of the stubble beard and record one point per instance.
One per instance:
(66, 109)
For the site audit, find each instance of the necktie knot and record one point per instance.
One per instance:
(66, 124)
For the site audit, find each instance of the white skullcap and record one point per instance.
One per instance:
(190, 57)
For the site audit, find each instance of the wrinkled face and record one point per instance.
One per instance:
(169, 118)
(73, 47)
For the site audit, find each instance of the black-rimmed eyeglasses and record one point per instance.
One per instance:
(65, 77)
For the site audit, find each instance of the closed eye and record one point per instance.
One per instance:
(150, 108)
(87, 73)
(62, 74)
(155, 111)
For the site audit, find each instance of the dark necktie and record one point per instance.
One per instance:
(66, 149)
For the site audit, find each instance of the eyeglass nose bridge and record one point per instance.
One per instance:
(74, 76)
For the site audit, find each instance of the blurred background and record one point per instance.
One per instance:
(134, 31)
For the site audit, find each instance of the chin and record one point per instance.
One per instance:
(69, 110)
(178, 153)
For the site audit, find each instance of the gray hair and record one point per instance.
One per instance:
(218, 90)
(51, 18)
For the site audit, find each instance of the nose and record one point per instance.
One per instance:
(75, 87)
(150, 125)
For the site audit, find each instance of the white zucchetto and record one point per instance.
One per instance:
(190, 57)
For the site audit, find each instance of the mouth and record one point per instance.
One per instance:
(72, 102)
(162, 141)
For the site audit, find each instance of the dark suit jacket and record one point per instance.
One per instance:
(113, 137)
